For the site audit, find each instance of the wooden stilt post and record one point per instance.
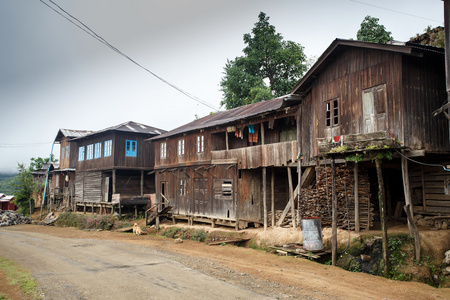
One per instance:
(333, 214)
(356, 175)
(142, 183)
(226, 140)
(416, 233)
(381, 200)
(407, 189)
(264, 179)
(291, 197)
(299, 160)
(272, 195)
(114, 181)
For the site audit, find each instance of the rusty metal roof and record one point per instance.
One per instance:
(230, 116)
(129, 126)
(338, 45)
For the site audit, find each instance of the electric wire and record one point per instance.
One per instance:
(396, 11)
(93, 34)
(24, 145)
(421, 163)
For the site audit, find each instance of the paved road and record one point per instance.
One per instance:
(69, 268)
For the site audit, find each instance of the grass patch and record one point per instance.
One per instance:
(102, 222)
(199, 235)
(16, 275)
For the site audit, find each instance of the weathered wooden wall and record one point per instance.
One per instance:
(430, 189)
(412, 88)
(200, 190)
(424, 92)
(88, 186)
(143, 160)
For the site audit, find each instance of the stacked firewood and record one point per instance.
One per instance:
(317, 202)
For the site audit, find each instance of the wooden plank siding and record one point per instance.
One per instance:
(422, 81)
(88, 186)
(279, 154)
(413, 90)
(434, 195)
(144, 159)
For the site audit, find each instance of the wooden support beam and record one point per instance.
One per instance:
(114, 181)
(226, 140)
(299, 160)
(262, 133)
(407, 188)
(287, 208)
(356, 187)
(381, 201)
(142, 183)
(415, 231)
(291, 197)
(333, 214)
(272, 195)
(264, 179)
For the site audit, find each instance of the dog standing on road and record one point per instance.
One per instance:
(136, 229)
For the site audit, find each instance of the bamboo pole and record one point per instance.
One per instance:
(381, 200)
(333, 215)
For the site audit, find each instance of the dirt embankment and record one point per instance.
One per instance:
(268, 272)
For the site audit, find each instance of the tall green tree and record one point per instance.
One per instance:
(270, 67)
(372, 31)
(24, 190)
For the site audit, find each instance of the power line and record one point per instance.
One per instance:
(396, 11)
(93, 34)
(25, 145)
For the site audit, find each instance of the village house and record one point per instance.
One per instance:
(114, 168)
(62, 179)
(239, 167)
(219, 169)
(365, 99)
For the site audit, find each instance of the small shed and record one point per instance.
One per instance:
(6, 202)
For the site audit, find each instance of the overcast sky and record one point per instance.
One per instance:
(53, 75)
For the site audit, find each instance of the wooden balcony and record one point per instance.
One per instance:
(277, 155)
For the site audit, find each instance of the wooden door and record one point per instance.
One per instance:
(201, 203)
(374, 109)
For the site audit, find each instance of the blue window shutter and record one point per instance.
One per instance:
(131, 148)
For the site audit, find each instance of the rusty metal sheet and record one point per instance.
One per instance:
(229, 116)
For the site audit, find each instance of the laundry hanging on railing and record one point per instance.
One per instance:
(252, 134)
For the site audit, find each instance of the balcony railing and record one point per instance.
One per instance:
(277, 154)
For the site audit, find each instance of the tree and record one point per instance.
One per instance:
(38, 163)
(24, 190)
(25, 186)
(373, 32)
(431, 36)
(267, 57)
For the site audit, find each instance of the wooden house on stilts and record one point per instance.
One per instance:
(364, 100)
(114, 168)
(240, 167)
(232, 167)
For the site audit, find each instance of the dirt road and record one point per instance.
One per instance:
(74, 264)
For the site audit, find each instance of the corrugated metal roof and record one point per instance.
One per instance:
(229, 116)
(337, 45)
(71, 133)
(129, 126)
